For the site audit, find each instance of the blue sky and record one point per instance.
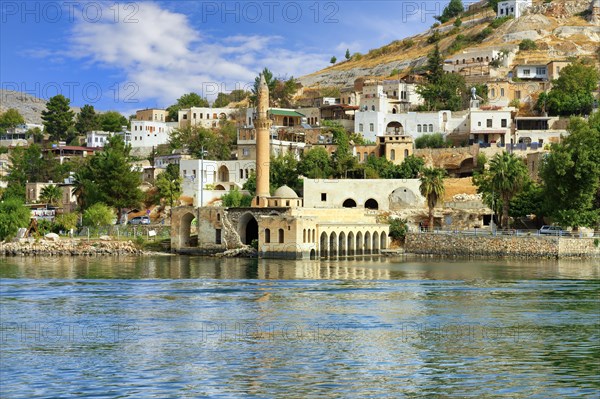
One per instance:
(133, 55)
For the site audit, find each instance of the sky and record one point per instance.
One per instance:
(135, 55)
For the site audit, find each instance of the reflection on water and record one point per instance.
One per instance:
(195, 327)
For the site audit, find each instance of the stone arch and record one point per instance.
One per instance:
(342, 244)
(324, 245)
(223, 173)
(333, 245)
(220, 187)
(394, 127)
(375, 242)
(349, 203)
(382, 240)
(248, 228)
(368, 243)
(281, 236)
(185, 229)
(371, 204)
(312, 254)
(359, 244)
(351, 242)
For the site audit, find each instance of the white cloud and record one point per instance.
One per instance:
(165, 56)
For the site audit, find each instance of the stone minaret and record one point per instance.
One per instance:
(263, 153)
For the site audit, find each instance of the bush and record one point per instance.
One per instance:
(398, 229)
(98, 214)
(527, 44)
(496, 23)
(13, 215)
(66, 222)
(434, 140)
(458, 22)
(434, 38)
(235, 199)
(408, 43)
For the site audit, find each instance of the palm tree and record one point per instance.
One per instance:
(51, 194)
(507, 175)
(432, 188)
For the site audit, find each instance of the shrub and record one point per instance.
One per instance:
(235, 199)
(408, 43)
(434, 140)
(434, 38)
(398, 229)
(527, 44)
(13, 215)
(458, 22)
(98, 214)
(496, 23)
(66, 222)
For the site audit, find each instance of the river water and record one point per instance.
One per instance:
(169, 327)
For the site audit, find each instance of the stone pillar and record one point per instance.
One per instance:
(263, 153)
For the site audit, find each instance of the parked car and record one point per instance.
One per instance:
(553, 231)
(140, 220)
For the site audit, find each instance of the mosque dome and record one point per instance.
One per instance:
(285, 192)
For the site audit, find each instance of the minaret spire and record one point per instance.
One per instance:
(263, 153)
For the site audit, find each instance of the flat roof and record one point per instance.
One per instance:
(285, 113)
(532, 118)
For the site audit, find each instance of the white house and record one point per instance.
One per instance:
(534, 71)
(491, 126)
(206, 180)
(205, 117)
(514, 8)
(97, 138)
(148, 134)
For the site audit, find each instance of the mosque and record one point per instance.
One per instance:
(281, 223)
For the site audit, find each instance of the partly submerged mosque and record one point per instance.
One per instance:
(281, 224)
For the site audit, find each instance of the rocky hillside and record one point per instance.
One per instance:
(560, 28)
(29, 106)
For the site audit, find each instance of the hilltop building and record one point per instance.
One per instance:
(515, 8)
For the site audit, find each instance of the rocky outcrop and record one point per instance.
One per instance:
(29, 106)
(26, 247)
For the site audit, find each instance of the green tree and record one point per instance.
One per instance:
(168, 184)
(281, 91)
(235, 199)
(398, 229)
(315, 164)
(29, 165)
(347, 54)
(51, 194)
(13, 216)
(107, 177)
(450, 93)
(505, 178)
(571, 174)
(87, 120)
(333, 60)
(185, 101)
(10, 119)
(284, 172)
(432, 188)
(222, 100)
(432, 140)
(98, 215)
(342, 159)
(572, 92)
(112, 121)
(410, 168)
(217, 143)
(458, 22)
(527, 44)
(435, 67)
(250, 184)
(66, 221)
(57, 117)
(453, 9)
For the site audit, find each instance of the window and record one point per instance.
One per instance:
(540, 71)
(246, 152)
(194, 115)
(360, 127)
(371, 127)
(365, 155)
(517, 94)
(267, 236)
(184, 116)
(503, 123)
(281, 236)
(323, 197)
(372, 108)
(501, 92)
(488, 122)
(392, 155)
(218, 236)
(430, 128)
(418, 128)
(479, 124)
(358, 156)
(526, 72)
(493, 93)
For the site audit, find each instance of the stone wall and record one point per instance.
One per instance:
(501, 246)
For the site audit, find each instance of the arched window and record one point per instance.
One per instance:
(493, 92)
(502, 92)
(418, 128)
(267, 236)
(372, 108)
(405, 154)
(304, 235)
(281, 235)
(430, 128)
(371, 204)
(392, 155)
(349, 203)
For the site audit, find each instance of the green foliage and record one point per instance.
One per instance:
(107, 177)
(342, 159)
(494, 4)
(347, 54)
(66, 221)
(250, 184)
(432, 188)
(97, 215)
(496, 23)
(112, 121)
(217, 142)
(408, 43)
(453, 9)
(168, 184)
(185, 101)
(398, 229)
(457, 22)
(10, 120)
(395, 71)
(572, 92)
(481, 161)
(379, 167)
(330, 91)
(235, 199)
(224, 99)
(435, 66)
(284, 171)
(504, 179)
(57, 117)
(435, 37)
(516, 103)
(432, 140)
(51, 194)
(527, 44)
(87, 120)
(357, 56)
(450, 93)
(529, 201)
(316, 164)
(280, 91)
(478, 38)
(333, 60)
(254, 244)
(13, 215)
(571, 174)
